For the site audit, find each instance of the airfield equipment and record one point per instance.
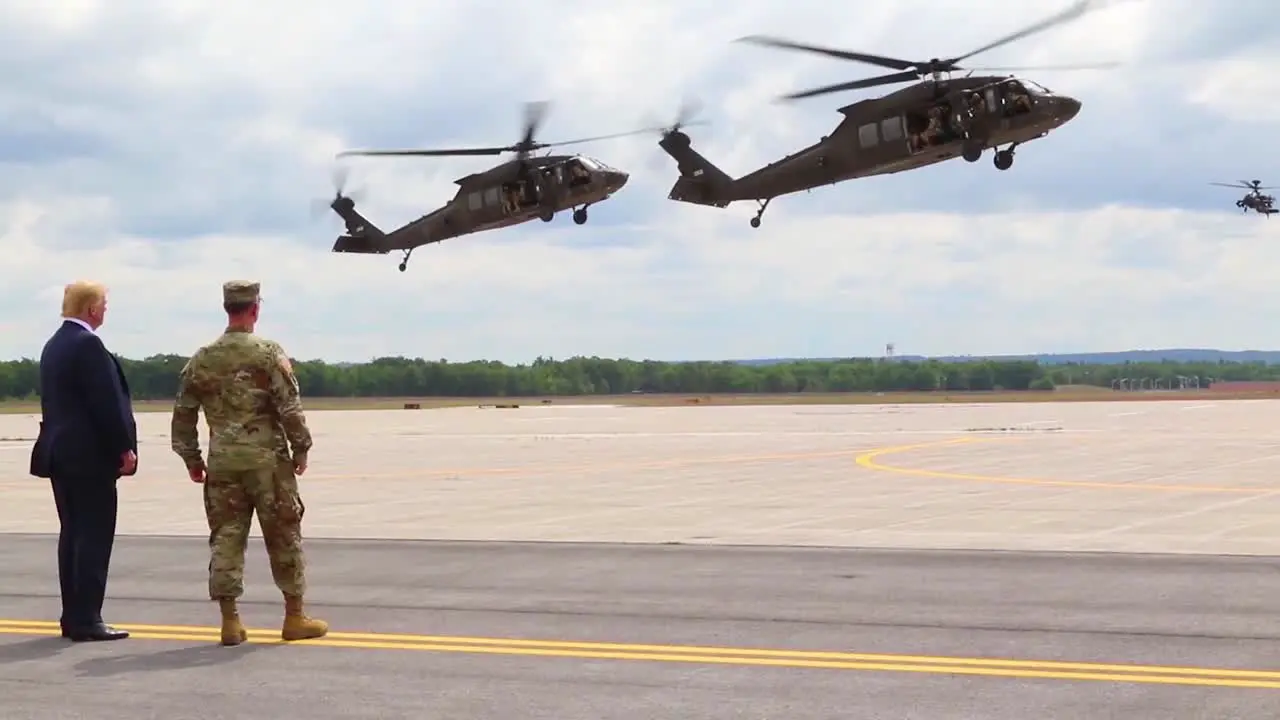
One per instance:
(1254, 200)
(514, 192)
(933, 120)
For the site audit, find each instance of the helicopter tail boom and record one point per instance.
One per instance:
(700, 182)
(362, 236)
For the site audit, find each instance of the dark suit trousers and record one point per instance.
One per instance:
(87, 514)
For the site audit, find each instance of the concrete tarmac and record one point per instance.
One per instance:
(629, 547)
(1134, 477)
(432, 630)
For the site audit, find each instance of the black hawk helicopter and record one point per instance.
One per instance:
(936, 118)
(513, 192)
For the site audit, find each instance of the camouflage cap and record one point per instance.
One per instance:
(240, 291)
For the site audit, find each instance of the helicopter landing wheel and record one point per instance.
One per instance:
(972, 152)
(548, 215)
(580, 215)
(764, 204)
(1003, 159)
(404, 264)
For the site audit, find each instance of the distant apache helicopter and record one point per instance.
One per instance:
(1254, 200)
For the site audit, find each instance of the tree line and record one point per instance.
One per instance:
(156, 377)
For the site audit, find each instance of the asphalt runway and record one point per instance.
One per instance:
(638, 632)
(797, 562)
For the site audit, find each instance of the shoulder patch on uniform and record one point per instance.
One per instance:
(285, 364)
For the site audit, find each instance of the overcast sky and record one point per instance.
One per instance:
(165, 147)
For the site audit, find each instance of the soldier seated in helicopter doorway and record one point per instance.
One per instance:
(975, 106)
(927, 130)
(939, 130)
(510, 198)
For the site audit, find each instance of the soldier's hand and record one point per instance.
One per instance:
(299, 464)
(197, 473)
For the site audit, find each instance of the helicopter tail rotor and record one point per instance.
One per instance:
(339, 177)
(686, 116)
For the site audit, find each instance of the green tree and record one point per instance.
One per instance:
(155, 377)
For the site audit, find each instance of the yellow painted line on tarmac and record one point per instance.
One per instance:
(871, 461)
(757, 657)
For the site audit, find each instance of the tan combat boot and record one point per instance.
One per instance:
(233, 632)
(297, 626)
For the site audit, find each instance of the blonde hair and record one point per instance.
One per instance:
(81, 295)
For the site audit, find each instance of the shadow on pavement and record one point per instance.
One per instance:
(34, 649)
(177, 659)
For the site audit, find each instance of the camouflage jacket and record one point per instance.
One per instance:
(251, 403)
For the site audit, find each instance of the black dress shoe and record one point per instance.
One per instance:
(100, 632)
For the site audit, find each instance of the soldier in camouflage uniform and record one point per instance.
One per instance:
(251, 403)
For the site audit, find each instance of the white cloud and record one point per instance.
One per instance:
(211, 126)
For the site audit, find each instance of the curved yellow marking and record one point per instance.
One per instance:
(869, 461)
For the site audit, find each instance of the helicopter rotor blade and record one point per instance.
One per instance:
(1048, 68)
(1233, 185)
(880, 60)
(534, 114)
(907, 76)
(1074, 12)
(338, 176)
(320, 206)
(910, 71)
(598, 138)
(425, 153)
(690, 108)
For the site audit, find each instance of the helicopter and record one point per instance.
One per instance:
(935, 119)
(511, 193)
(1254, 200)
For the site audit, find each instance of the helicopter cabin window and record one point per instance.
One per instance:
(891, 129)
(492, 197)
(867, 135)
(993, 101)
(475, 201)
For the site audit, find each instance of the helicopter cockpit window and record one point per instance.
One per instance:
(1036, 88)
(1016, 97)
(578, 172)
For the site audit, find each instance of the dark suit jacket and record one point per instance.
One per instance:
(87, 419)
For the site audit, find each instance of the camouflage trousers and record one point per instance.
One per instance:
(231, 497)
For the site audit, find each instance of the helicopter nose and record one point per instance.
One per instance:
(615, 179)
(1070, 107)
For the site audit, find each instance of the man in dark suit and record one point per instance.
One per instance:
(88, 440)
